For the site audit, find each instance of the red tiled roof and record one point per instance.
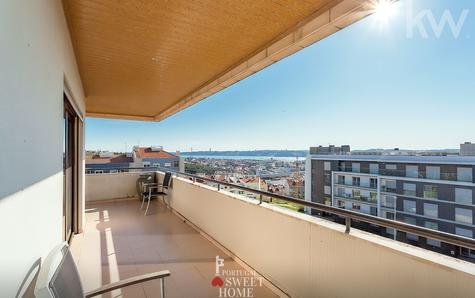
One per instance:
(148, 153)
(121, 158)
(250, 180)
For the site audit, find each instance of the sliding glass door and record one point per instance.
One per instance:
(69, 168)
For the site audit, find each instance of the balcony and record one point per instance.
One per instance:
(370, 186)
(296, 254)
(390, 189)
(448, 176)
(359, 198)
(65, 61)
(119, 242)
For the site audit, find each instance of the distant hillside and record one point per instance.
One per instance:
(269, 153)
(303, 153)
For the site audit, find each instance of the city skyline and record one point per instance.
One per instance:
(418, 97)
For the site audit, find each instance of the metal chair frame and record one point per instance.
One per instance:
(148, 192)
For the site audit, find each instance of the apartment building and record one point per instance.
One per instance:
(467, 149)
(437, 192)
(155, 156)
(331, 149)
(108, 162)
(140, 157)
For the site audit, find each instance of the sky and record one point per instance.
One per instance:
(370, 85)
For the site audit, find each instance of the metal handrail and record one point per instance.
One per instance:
(127, 169)
(347, 214)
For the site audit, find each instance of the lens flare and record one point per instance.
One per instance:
(383, 10)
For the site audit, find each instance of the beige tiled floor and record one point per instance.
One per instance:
(120, 242)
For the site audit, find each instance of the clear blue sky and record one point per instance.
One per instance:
(368, 85)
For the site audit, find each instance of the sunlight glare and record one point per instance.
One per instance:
(384, 10)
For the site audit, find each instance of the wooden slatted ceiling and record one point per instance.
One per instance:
(147, 59)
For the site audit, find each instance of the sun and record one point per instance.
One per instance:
(383, 10)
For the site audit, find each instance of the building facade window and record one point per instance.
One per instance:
(328, 179)
(341, 179)
(341, 204)
(327, 201)
(343, 166)
(465, 174)
(433, 172)
(327, 166)
(433, 226)
(409, 206)
(391, 167)
(388, 215)
(409, 189)
(431, 192)
(356, 206)
(411, 221)
(356, 193)
(463, 196)
(388, 185)
(464, 215)
(373, 211)
(373, 182)
(388, 201)
(327, 190)
(373, 197)
(464, 232)
(356, 181)
(355, 167)
(374, 168)
(340, 192)
(431, 210)
(412, 171)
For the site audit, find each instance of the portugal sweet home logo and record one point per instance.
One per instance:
(235, 282)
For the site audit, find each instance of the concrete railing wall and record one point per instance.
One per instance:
(310, 257)
(303, 255)
(111, 186)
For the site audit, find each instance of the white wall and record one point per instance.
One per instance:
(36, 59)
(310, 257)
(111, 186)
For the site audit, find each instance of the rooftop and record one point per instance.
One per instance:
(148, 152)
(118, 158)
(463, 160)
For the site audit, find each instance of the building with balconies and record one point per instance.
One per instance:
(437, 192)
(64, 61)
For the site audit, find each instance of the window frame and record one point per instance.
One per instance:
(408, 210)
(457, 216)
(436, 210)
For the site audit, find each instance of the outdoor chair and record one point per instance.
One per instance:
(154, 190)
(144, 178)
(59, 278)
